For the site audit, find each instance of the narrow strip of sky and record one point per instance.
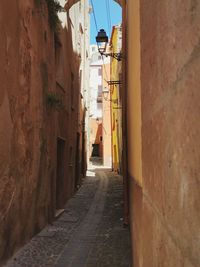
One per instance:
(101, 17)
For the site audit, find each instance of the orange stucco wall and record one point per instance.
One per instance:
(31, 128)
(134, 142)
(163, 131)
(134, 92)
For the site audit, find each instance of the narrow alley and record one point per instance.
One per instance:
(99, 133)
(89, 233)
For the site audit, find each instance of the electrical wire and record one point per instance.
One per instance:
(108, 15)
(94, 15)
(109, 22)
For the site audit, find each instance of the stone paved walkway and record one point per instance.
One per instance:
(89, 233)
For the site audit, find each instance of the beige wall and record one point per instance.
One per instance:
(163, 132)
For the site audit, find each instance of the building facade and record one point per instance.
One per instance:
(42, 120)
(162, 99)
(116, 99)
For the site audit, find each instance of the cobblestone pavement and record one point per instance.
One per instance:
(89, 233)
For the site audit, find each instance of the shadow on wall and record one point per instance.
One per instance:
(68, 84)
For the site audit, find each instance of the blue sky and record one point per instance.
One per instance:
(101, 17)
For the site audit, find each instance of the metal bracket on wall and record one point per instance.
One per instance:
(117, 107)
(117, 56)
(114, 82)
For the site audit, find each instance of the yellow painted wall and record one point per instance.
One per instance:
(116, 103)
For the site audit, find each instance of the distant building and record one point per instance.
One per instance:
(106, 118)
(96, 83)
(97, 137)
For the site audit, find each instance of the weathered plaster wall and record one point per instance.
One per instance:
(134, 142)
(67, 117)
(134, 91)
(165, 208)
(29, 126)
(23, 53)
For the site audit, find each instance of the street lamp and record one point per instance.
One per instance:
(102, 40)
(106, 97)
(105, 90)
(105, 93)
